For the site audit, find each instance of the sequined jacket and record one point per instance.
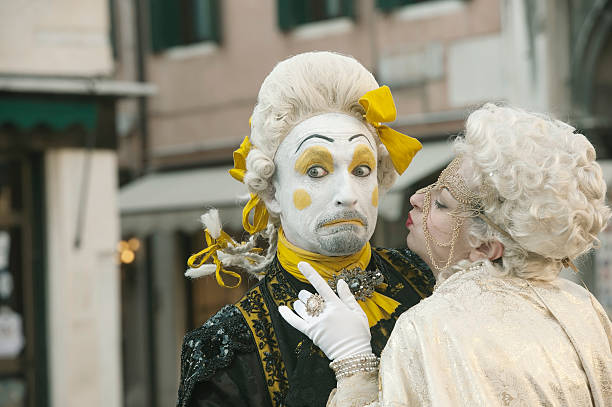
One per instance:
(246, 355)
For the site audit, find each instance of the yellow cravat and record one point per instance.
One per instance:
(376, 307)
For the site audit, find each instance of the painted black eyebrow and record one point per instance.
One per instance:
(361, 135)
(331, 140)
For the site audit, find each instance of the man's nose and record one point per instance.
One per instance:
(346, 194)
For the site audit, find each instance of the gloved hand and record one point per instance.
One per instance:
(342, 328)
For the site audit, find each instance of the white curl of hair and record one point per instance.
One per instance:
(298, 88)
(549, 192)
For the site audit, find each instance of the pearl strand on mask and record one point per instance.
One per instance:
(429, 238)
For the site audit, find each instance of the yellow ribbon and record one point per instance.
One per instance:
(376, 307)
(260, 216)
(198, 259)
(240, 156)
(379, 107)
(260, 220)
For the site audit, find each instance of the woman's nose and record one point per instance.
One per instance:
(416, 200)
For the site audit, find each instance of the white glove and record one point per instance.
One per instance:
(342, 328)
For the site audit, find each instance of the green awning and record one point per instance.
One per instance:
(27, 113)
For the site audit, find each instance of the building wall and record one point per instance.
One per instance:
(83, 285)
(425, 52)
(439, 57)
(60, 37)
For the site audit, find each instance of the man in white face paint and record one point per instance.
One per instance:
(326, 185)
(315, 162)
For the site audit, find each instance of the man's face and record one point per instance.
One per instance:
(326, 184)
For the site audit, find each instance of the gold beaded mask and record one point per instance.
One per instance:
(470, 205)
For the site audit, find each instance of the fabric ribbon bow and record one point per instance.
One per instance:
(260, 216)
(379, 107)
(221, 242)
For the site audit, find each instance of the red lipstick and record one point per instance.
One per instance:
(409, 220)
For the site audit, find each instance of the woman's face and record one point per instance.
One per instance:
(437, 227)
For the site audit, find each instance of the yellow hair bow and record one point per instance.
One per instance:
(240, 156)
(260, 216)
(198, 259)
(379, 107)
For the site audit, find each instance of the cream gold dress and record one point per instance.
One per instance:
(481, 340)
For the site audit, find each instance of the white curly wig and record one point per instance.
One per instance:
(297, 89)
(548, 190)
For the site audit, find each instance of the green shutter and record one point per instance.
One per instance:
(206, 21)
(165, 24)
(339, 8)
(112, 15)
(292, 13)
(388, 5)
(348, 8)
(285, 15)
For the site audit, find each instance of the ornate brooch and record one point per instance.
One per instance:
(361, 282)
(315, 304)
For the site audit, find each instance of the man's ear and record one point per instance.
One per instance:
(492, 250)
(272, 203)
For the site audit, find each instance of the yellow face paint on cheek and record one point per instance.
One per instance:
(315, 155)
(375, 197)
(362, 156)
(301, 199)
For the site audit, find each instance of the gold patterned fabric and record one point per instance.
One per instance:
(488, 341)
(481, 340)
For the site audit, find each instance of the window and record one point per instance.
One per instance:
(23, 359)
(292, 13)
(183, 22)
(388, 5)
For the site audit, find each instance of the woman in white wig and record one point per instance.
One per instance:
(523, 198)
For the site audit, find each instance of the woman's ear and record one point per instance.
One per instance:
(492, 250)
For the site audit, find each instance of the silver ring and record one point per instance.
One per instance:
(315, 305)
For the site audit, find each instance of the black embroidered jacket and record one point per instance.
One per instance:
(247, 355)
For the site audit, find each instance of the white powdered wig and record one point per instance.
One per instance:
(549, 190)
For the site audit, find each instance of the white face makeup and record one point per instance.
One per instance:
(326, 184)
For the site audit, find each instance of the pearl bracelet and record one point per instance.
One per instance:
(364, 362)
